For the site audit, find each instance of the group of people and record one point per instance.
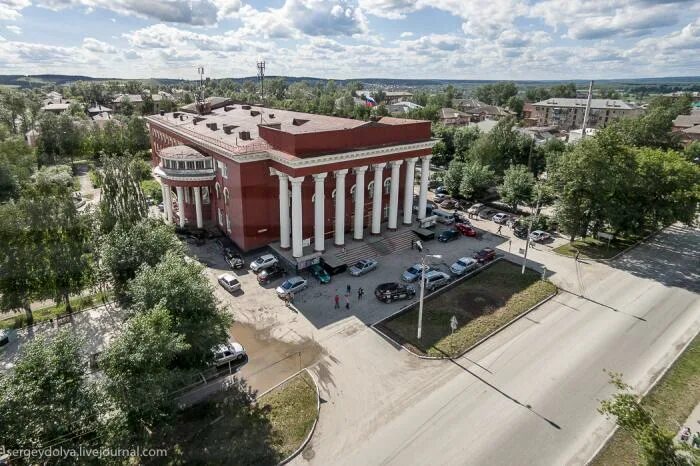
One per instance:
(348, 290)
(685, 437)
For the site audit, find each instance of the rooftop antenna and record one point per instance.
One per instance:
(588, 110)
(200, 94)
(261, 77)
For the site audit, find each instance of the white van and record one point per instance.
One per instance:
(443, 216)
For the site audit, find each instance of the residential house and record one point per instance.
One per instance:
(452, 117)
(402, 108)
(568, 113)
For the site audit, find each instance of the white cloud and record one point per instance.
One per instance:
(14, 29)
(97, 46)
(10, 10)
(406, 34)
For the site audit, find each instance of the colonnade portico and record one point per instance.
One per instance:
(319, 179)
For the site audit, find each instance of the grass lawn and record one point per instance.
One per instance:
(670, 401)
(227, 429)
(482, 304)
(592, 248)
(51, 312)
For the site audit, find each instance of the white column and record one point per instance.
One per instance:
(394, 196)
(408, 191)
(198, 205)
(181, 204)
(297, 220)
(284, 209)
(168, 203)
(424, 178)
(359, 201)
(340, 206)
(319, 211)
(377, 199)
(165, 207)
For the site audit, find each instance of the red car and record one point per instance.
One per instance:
(485, 255)
(466, 230)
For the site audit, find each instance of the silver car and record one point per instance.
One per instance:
(263, 262)
(435, 279)
(413, 273)
(362, 267)
(229, 351)
(463, 265)
(229, 282)
(291, 286)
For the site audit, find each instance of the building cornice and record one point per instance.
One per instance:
(300, 162)
(182, 175)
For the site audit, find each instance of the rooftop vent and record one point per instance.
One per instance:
(254, 113)
(196, 120)
(184, 117)
(212, 126)
(245, 107)
(228, 108)
(162, 113)
(228, 128)
(244, 135)
(299, 121)
(271, 115)
(176, 114)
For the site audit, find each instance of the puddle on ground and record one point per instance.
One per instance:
(270, 361)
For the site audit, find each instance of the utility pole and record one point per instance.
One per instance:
(419, 245)
(529, 230)
(261, 77)
(588, 110)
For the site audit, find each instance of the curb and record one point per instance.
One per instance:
(624, 251)
(482, 340)
(318, 412)
(91, 308)
(641, 396)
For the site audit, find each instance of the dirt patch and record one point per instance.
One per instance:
(270, 360)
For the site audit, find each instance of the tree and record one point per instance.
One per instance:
(139, 375)
(653, 129)
(516, 104)
(464, 139)
(122, 198)
(47, 399)
(517, 187)
(563, 90)
(12, 107)
(692, 152)
(126, 248)
(17, 163)
(476, 179)
(453, 177)
(497, 93)
(184, 290)
(657, 445)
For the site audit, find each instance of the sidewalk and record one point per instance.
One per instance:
(693, 422)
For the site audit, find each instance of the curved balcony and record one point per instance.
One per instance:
(185, 163)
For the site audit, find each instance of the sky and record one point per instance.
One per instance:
(341, 39)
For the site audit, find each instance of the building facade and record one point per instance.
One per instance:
(262, 175)
(568, 113)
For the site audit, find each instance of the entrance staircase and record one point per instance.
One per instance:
(370, 249)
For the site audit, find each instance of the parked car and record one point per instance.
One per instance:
(228, 352)
(4, 337)
(520, 230)
(448, 204)
(448, 235)
(436, 279)
(485, 255)
(362, 267)
(487, 213)
(441, 190)
(320, 274)
(475, 208)
(263, 262)
(161, 207)
(465, 229)
(290, 286)
(229, 282)
(444, 216)
(413, 273)
(388, 292)
(234, 260)
(463, 265)
(440, 197)
(271, 273)
(500, 218)
(538, 236)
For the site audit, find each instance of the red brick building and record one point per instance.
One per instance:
(263, 175)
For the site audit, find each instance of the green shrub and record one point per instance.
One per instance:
(152, 189)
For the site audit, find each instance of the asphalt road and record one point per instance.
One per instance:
(527, 396)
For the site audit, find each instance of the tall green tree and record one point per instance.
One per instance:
(123, 200)
(517, 186)
(453, 177)
(183, 289)
(464, 139)
(476, 179)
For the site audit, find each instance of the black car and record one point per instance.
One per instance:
(441, 190)
(235, 261)
(448, 235)
(520, 231)
(388, 292)
(271, 273)
(487, 213)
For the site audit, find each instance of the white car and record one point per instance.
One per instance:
(500, 218)
(463, 265)
(291, 286)
(263, 262)
(539, 235)
(228, 352)
(4, 337)
(362, 267)
(435, 279)
(475, 208)
(229, 282)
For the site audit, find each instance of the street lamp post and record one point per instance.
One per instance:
(419, 244)
(529, 229)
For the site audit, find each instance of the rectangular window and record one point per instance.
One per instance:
(190, 165)
(221, 216)
(199, 165)
(228, 224)
(205, 195)
(224, 171)
(187, 195)
(181, 165)
(207, 163)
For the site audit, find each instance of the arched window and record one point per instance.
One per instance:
(218, 190)
(226, 196)
(333, 194)
(370, 190)
(387, 185)
(352, 191)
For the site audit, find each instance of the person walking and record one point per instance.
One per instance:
(500, 227)
(347, 301)
(696, 440)
(348, 289)
(360, 293)
(337, 301)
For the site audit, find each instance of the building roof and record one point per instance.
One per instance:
(214, 102)
(236, 126)
(486, 126)
(595, 103)
(692, 130)
(102, 116)
(446, 113)
(403, 106)
(133, 98)
(54, 107)
(99, 109)
(181, 153)
(687, 121)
